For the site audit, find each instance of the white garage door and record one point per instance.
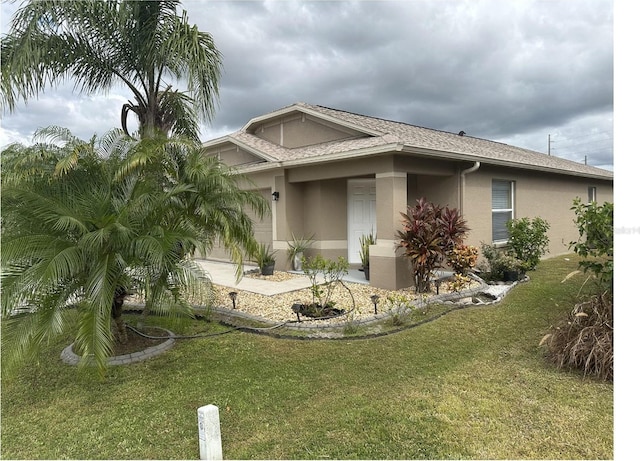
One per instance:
(262, 229)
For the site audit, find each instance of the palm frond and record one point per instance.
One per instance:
(103, 43)
(123, 214)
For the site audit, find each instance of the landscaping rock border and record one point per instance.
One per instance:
(71, 358)
(464, 298)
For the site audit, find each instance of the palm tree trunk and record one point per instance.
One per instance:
(116, 313)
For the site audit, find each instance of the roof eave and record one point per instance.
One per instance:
(242, 145)
(506, 163)
(259, 168)
(216, 141)
(347, 155)
(399, 147)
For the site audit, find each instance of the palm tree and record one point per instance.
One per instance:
(101, 44)
(87, 223)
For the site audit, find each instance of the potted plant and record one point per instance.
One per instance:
(366, 240)
(266, 259)
(297, 247)
(510, 267)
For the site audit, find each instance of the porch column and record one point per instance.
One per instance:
(279, 222)
(388, 268)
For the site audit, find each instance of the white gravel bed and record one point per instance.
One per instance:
(353, 297)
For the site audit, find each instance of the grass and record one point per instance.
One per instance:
(472, 384)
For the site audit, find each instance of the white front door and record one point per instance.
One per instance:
(362, 214)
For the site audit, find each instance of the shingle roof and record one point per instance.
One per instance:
(392, 135)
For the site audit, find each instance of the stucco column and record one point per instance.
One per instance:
(388, 268)
(288, 218)
(279, 223)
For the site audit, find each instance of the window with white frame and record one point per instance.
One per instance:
(591, 194)
(501, 209)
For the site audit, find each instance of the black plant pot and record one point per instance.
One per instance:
(510, 276)
(267, 269)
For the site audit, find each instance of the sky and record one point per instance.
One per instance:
(534, 74)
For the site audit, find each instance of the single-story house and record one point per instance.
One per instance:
(336, 175)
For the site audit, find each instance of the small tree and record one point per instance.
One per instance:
(429, 232)
(595, 245)
(528, 240)
(332, 273)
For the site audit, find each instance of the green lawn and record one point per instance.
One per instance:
(472, 384)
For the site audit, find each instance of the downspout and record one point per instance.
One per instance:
(463, 173)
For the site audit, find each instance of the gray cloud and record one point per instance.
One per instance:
(510, 71)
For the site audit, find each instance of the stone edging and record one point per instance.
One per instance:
(231, 316)
(70, 358)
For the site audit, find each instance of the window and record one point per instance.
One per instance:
(501, 209)
(591, 193)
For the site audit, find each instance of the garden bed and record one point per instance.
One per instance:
(355, 299)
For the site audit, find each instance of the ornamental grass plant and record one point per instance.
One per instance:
(585, 341)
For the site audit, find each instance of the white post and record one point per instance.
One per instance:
(209, 432)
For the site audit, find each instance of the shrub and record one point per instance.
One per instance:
(452, 227)
(462, 258)
(264, 256)
(332, 272)
(429, 232)
(400, 307)
(595, 245)
(297, 246)
(366, 240)
(459, 282)
(528, 240)
(500, 261)
(585, 340)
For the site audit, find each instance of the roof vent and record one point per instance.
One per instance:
(462, 133)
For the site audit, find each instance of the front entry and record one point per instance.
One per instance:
(361, 211)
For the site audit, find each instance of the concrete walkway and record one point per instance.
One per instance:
(224, 273)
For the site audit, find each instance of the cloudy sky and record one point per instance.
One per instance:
(509, 71)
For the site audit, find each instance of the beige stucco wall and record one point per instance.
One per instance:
(325, 217)
(263, 230)
(388, 268)
(365, 167)
(299, 130)
(322, 208)
(315, 209)
(232, 155)
(549, 196)
(442, 190)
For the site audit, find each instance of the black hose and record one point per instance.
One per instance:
(208, 335)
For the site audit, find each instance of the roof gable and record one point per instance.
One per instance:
(329, 134)
(234, 153)
(300, 127)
